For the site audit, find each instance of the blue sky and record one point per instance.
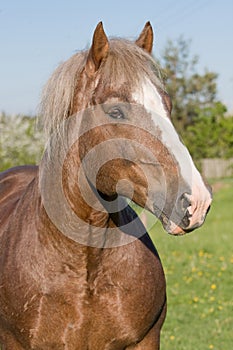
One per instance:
(35, 36)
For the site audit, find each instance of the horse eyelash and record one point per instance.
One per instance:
(116, 113)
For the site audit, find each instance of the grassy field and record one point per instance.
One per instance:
(199, 273)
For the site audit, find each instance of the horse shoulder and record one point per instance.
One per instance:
(13, 183)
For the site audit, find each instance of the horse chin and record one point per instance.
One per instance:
(173, 229)
(176, 231)
(170, 227)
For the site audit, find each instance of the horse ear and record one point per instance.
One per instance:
(99, 49)
(145, 40)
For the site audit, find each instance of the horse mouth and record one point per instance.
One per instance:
(176, 229)
(168, 225)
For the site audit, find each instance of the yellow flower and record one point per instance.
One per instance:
(213, 286)
(200, 273)
(189, 280)
(221, 258)
(172, 337)
(211, 346)
(201, 253)
(195, 299)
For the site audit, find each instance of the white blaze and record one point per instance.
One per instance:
(149, 97)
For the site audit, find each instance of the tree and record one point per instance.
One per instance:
(20, 143)
(192, 93)
(211, 136)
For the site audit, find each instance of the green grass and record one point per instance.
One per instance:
(199, 273)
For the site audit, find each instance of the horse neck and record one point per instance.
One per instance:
(81, 194)
(69, 201)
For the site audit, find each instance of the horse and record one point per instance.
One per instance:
(78, 269)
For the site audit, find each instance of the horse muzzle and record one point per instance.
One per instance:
(187, 215)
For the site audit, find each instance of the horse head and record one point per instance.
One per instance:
(125, 139)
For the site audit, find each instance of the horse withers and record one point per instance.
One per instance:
(77, 268)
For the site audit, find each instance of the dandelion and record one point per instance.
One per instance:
(221, 258)
(172, 337)
(212, 298)
(201, 253)
(200, 273)
(195, 299)
(213, 286)
(211, 346)
(189, 280)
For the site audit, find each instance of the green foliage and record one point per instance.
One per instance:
(211, 135)
(197, 114)
(20, 143)
(190, 91)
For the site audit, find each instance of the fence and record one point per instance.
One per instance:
(217, 168)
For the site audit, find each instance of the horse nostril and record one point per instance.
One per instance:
(186, 219)
(185, 201)
(208, 209)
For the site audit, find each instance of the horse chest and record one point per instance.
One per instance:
(127, 299)
(113, 303)
(110, 312)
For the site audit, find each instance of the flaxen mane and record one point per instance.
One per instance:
(126, 62)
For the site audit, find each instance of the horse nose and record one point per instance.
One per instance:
(194, 211)
(184, 202)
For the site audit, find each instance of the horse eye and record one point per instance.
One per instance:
(116, 113)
